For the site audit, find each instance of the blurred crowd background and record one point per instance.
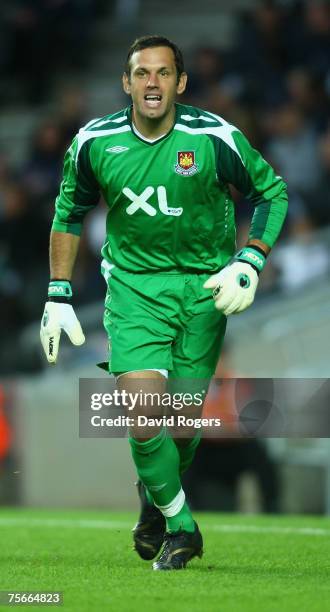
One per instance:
(271, 78)
(263, 65)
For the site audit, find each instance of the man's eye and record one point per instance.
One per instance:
(164, 73)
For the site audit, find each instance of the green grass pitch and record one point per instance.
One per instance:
(251, 563)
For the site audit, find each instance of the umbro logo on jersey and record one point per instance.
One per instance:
(117, 149)
(186, 165)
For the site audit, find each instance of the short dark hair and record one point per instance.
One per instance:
(145, 42)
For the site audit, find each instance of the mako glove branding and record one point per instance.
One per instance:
(251, 256)
(141, 202)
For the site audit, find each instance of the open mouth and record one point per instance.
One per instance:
(153, 100)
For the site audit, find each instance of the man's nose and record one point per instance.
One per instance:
(153, 80)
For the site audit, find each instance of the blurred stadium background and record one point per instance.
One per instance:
(264, 66)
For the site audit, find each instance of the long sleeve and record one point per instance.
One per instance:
(79, 190)
(245, 168)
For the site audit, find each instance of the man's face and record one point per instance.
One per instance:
(152, 83)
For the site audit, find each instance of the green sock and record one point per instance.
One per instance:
(187, 452)
(157, 463)
(182, 520)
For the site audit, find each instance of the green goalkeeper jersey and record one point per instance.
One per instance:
(169, 202)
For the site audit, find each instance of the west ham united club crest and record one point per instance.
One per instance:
(186, 165)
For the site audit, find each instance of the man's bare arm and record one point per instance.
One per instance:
(62, 254)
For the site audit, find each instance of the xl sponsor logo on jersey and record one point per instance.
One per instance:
(140, 202)
(186, 164)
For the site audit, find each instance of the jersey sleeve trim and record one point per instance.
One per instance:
(66, 228)
(85, 135)
(223, 132)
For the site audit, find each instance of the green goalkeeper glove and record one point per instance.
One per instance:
(235, 286)
(59, 314)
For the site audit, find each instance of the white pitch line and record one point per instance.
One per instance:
(104, 524)
(317, 531)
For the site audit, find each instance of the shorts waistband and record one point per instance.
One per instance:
(164, 273)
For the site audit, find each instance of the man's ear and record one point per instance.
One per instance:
(126, 84)
(181, 86)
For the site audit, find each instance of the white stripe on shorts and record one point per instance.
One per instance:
(162, 372)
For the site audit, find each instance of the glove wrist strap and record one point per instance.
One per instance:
(59, 291)
(252, 256)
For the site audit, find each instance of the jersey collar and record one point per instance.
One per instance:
(154, 142)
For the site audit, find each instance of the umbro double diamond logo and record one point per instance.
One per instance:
(117, 149)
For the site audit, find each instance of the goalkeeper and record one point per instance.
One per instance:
(169, 261)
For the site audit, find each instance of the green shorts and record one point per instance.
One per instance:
(162, 321)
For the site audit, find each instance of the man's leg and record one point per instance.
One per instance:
(155, 454)
(187, 449)
(142, 337)
(187, 437)
(157, 461)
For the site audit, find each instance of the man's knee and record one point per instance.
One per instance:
(143, 391)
